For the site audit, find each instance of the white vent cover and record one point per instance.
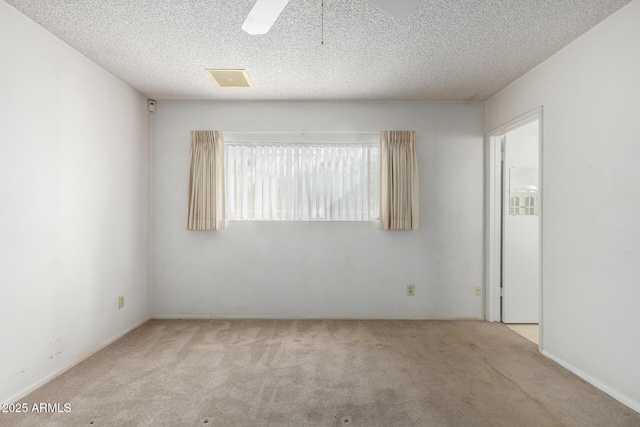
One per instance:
(230, 78)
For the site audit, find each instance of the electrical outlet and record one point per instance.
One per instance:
(120, 301)
(411, 290)
(477, 290)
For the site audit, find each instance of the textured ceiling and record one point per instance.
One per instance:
(446, 50)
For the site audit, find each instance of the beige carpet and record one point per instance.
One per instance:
(322, 373)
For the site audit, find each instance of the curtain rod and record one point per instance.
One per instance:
(303, 132)
(300, 136)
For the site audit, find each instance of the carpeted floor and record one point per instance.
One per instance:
(322, 373)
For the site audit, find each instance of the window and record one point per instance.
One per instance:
(302, 181)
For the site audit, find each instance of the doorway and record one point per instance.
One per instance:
(514, 221)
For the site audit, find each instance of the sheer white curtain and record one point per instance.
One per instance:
(206, 198)
(302, 181)
(399, 189)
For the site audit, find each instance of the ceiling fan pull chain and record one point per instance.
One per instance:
(322, 25)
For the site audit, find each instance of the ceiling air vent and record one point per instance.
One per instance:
(230, 78)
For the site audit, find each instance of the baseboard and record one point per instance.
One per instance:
(611, 392)
(268, 317)
(70, 365)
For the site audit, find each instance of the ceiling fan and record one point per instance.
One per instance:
(265, 12)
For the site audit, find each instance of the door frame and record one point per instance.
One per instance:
(493, 213)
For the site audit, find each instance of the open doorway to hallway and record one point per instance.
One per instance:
(514, 225)
(520, 290)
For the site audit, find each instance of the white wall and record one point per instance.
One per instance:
(319, 269)
(591, 147)
(74, 155)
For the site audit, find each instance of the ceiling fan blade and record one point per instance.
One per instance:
(397, 8)
(262, 16)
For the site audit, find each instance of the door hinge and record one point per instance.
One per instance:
(501, 292)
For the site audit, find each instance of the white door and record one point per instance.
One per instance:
(520, 245)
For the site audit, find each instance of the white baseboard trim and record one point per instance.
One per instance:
(73, 363)
(268, 317)
(611, 392)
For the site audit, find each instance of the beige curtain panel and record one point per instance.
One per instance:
(399, 195)
(205, 207)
